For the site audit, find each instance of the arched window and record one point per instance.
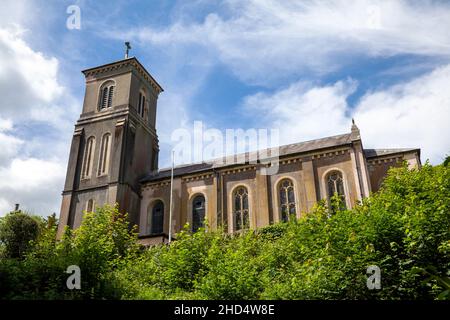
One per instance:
(88, 158)
(90, 205)
(198, 212)
(106, 95)
(156, 218)
(240, 209)
(287, 199)
(141, 104)
(103, 164)
(335, 186)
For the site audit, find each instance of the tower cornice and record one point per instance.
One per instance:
(124, 63)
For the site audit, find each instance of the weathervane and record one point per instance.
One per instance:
(127, 48)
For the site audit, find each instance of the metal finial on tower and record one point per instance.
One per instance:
(355, 131)
(127, 49)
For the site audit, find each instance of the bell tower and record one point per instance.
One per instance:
(114, 143)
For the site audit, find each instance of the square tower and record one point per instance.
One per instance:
(114, 143)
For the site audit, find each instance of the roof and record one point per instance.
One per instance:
(289, 149)
(372, 153)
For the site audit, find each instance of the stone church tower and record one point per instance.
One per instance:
(114, 143)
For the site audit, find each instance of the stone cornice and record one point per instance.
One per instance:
(100, 116)
(156, 185)
(117, 112)
(329, 154)
(386, 159)
(237, 168)
(121, 64)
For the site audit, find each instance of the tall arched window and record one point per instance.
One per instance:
(240, 209)
(335, 186)
(287, 199)
(106, 95)
(198, 212)
(103, 164)
(90, 205)
(141, 104)
(88, 158)
(156, 218)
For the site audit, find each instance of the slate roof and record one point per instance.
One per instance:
(372, 153)
(289, 149)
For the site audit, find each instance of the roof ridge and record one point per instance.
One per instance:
(285, 146)
(380, 149)
(311, 140)
(371, 153)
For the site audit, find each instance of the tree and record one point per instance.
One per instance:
(17, 230)
(446, 161)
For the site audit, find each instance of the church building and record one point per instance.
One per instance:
(114, 159)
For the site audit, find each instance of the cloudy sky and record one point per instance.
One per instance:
(304, 67)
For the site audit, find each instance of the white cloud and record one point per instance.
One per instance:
(14, 13)
(266, 39)
(5, 124)
(29, 174)
(28, 80)
(34, 183)
(302, 111)
(36, 114)
(268, 42)
(9, 145)
(411, 114)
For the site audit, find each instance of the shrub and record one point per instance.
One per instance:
(404, 229)
(102, 244)
(17, 230)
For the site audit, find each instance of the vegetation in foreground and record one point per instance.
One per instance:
(404, 230)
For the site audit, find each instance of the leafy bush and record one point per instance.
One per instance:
(102, 244)
(17, 230)
(404, 229)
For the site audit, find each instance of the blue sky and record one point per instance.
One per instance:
(305, 68)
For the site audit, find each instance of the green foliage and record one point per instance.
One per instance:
(233, 269)
(102, 244)
(323, 255)
(404, 229)
(446, 161)
(17, 230)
